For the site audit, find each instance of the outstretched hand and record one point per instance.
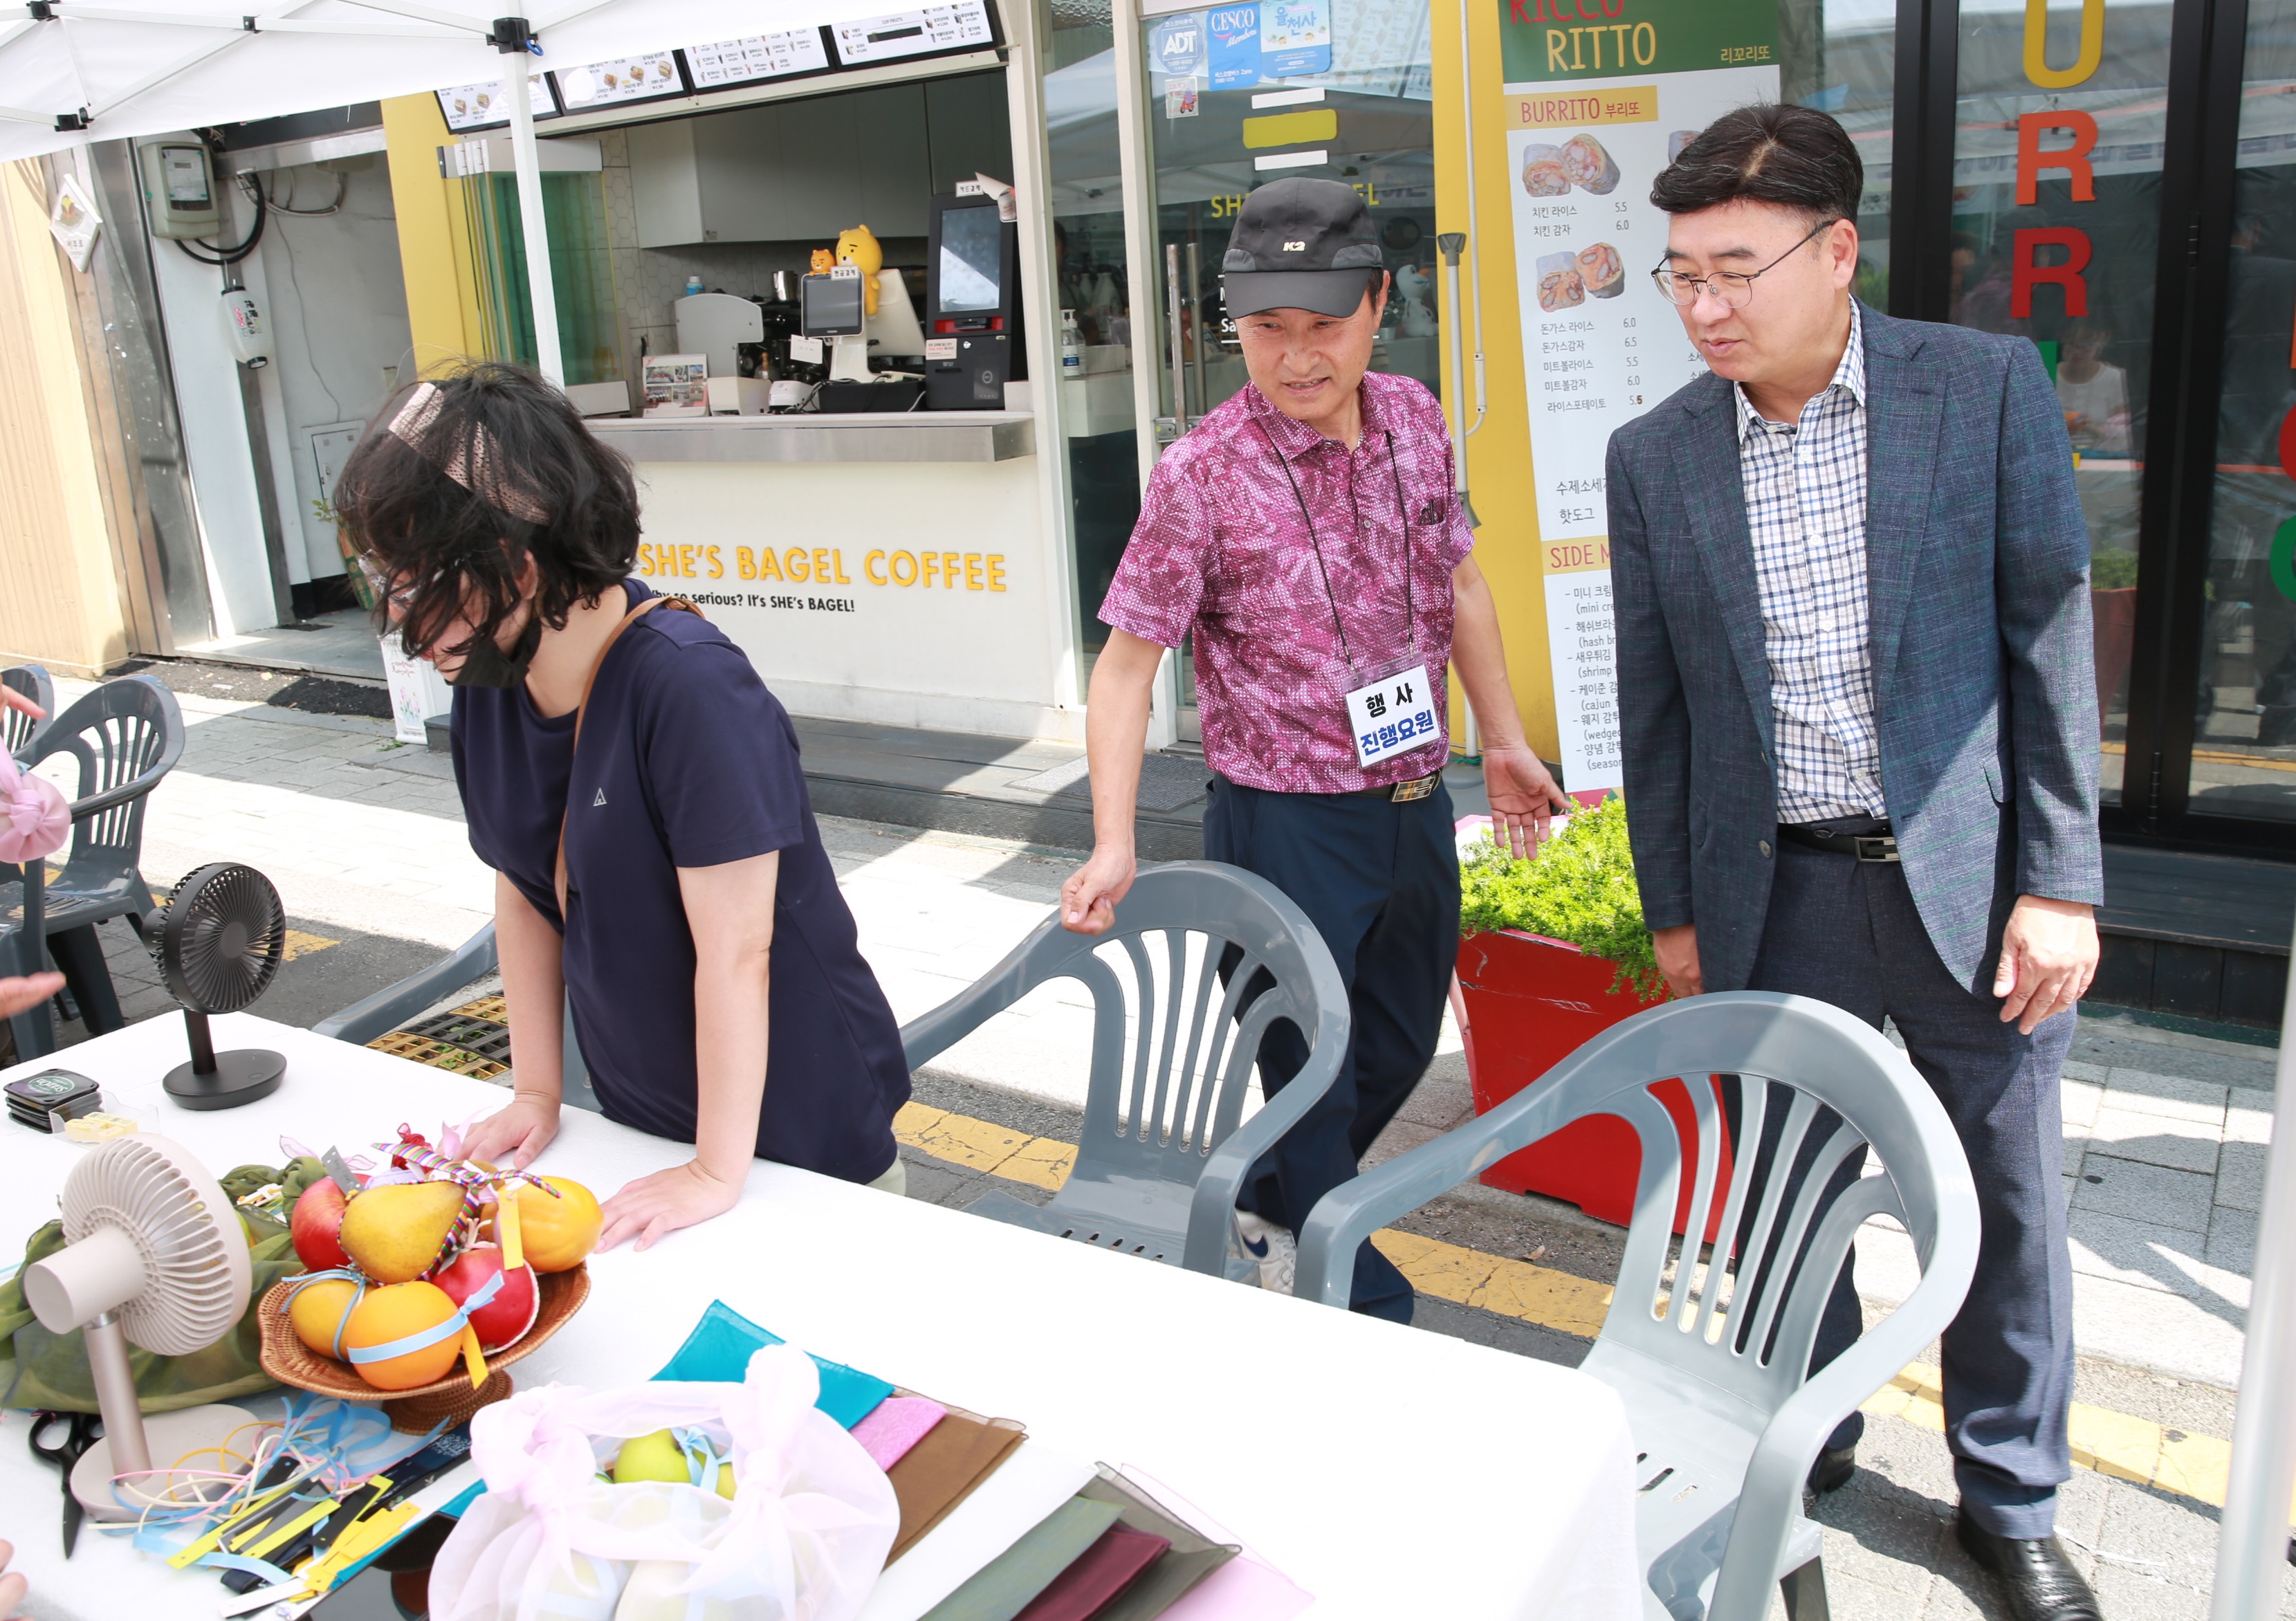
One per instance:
(515, 1135)
(1523, 796)
(652, 1206)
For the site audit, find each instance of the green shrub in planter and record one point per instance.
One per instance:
(1580, 889)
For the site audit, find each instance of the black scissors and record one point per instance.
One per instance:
(82, 1431)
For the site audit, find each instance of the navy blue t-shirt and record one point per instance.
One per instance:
(687, 762)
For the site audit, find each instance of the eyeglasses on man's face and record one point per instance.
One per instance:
(398, 600)
(1735, 288)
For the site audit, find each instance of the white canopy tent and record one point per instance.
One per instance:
(75, 73)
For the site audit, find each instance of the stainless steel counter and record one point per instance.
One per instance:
(907, 436)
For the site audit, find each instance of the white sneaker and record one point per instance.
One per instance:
(1272, 1248)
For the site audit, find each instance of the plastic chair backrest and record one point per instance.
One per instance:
(125, 736)
(1173, 1043)
(18, 730)
(1733, 1341)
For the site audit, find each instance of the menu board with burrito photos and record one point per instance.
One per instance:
(1591, 115)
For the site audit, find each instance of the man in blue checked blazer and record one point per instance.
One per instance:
(1851, 581)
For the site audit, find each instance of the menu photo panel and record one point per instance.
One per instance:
(1593, 110)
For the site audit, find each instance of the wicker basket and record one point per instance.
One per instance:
(290, 1362)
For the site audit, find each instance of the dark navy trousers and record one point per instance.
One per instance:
(1846, 932)
(1380, 883)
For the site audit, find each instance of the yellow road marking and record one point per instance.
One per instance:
(301, 944)
(2113, 1443)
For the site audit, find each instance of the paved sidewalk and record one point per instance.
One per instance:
(2164, 1135)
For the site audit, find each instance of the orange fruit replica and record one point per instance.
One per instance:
(395, 1313)
(557, 1233)
(319, 1311)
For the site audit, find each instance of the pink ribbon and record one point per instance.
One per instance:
(35, 816)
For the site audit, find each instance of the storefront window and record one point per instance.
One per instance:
(581, 269)
(1233, 102)
(2244, 747)
(2057, 149)
(1103, 456)
(1840, 56)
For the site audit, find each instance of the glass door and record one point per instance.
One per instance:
(2059, 126)
(2244, 754)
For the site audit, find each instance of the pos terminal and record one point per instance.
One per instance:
(973, 343)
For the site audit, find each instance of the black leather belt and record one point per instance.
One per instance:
(1404, 793)
(1880, 845)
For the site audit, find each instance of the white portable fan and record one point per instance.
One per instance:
(155, 1253)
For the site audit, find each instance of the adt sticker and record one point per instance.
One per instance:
(1234, 38)
(1296, 38)
(1176, 46)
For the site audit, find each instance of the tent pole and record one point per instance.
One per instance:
(540, 288)
(2253, 1545)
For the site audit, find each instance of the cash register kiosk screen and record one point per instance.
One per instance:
(971, 262)
(830, 306)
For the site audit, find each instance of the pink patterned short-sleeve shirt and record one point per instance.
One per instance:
(1222, 551)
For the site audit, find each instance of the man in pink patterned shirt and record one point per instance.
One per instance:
(1307, 535)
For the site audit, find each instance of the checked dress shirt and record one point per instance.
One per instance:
(1806, 505)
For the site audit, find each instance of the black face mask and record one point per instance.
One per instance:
(488, 665)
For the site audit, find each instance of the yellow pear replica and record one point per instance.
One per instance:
(394, 1233)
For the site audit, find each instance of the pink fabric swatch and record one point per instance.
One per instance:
(894, 1425)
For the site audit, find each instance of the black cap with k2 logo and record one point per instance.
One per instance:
(1301, 245)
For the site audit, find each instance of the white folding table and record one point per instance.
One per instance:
(1390, 1472)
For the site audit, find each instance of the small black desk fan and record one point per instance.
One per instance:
(218, 945)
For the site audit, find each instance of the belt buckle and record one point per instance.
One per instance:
(1418, 787)
(1876, 846)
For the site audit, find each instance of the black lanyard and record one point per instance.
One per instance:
(1403, 519)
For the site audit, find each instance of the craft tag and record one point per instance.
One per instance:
(339, 1172)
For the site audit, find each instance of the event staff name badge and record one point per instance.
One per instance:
(1392, 716)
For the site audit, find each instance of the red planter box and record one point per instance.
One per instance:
(1530, 1003)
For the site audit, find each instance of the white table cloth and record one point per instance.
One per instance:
(1390, 1472)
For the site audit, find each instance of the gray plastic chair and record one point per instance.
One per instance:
(125, 735)
(18, 730)
(23, 950)
(392, 1006)
(1726, 1425)
(1162, 1153)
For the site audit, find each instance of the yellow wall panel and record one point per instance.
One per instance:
(1499, 473)
(433, 256)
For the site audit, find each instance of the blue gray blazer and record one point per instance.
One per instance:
(1978, 592)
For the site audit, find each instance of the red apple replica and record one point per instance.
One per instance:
(316, 1226)
(503, 1322)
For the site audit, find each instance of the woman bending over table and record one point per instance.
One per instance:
(638, 794)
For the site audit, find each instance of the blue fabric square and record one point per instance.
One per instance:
(719, 1349)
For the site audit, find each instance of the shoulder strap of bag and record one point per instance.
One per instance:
(583, 707)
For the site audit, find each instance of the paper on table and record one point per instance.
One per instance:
(1030, 1483)
(1247, 1588)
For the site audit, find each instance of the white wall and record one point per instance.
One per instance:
(935, 656)
(332, 292)
(215, 432)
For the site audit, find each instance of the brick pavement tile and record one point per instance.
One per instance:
(2248, 1116)
(2157, 1094)
(2232, 1240)
(1440, 1103)
(2140, 1192)
(2240, 1175)
(2155, 1140)
(2075, 1070)
(2184, 1338)
(1880, 1532)
(1852, 1598)
(2131, 1252)
(2080, 1100)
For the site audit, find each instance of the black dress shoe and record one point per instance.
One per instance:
(1832, 1471)
(2039, 1582)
